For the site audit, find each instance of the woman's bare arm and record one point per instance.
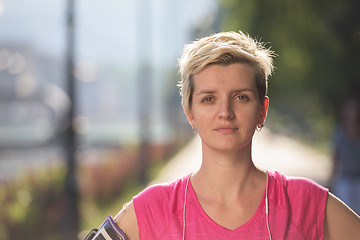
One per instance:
(340, 221)
(126, 220)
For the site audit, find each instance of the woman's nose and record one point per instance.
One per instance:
(226, 110)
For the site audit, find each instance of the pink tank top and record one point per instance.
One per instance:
(296, 211)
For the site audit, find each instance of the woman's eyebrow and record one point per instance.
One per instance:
(206, 92)
(201, 92)
(244, 90)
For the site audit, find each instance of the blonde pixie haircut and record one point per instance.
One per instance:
(224, 48)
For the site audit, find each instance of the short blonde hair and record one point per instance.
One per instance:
(224, 48)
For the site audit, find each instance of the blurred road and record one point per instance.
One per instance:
(270, 151)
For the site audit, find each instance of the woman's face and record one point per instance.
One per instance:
(225, 107)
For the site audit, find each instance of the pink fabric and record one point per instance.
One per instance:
(296, 211)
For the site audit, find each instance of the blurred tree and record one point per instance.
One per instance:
(317, 43)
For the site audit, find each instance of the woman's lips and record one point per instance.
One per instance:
(226, 129)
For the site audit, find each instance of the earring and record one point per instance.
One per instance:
(259, 127)
(194, 128)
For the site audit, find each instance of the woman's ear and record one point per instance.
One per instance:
(189, 117)
(264, 109)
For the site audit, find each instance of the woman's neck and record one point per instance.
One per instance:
(227, 176)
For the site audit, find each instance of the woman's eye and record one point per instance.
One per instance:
(207, 99)
(242, 97)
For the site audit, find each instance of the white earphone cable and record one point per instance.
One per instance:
(267, 205)
(187, 184)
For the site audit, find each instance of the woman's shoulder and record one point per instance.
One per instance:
(297, 193)
(301, 201)
(149, 210)
(163, 191)
(157, 205)
(296, 184)
(163, 197)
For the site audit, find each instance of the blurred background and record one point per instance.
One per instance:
(89, 108)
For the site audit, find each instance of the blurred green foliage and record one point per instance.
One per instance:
(35, 205)
(317, 67)
(32, 206)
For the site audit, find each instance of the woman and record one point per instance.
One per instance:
(223, 87)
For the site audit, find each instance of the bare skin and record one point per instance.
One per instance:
(235, 209)
(340, 221)
(126, 220)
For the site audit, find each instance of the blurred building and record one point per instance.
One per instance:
(33, 102)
